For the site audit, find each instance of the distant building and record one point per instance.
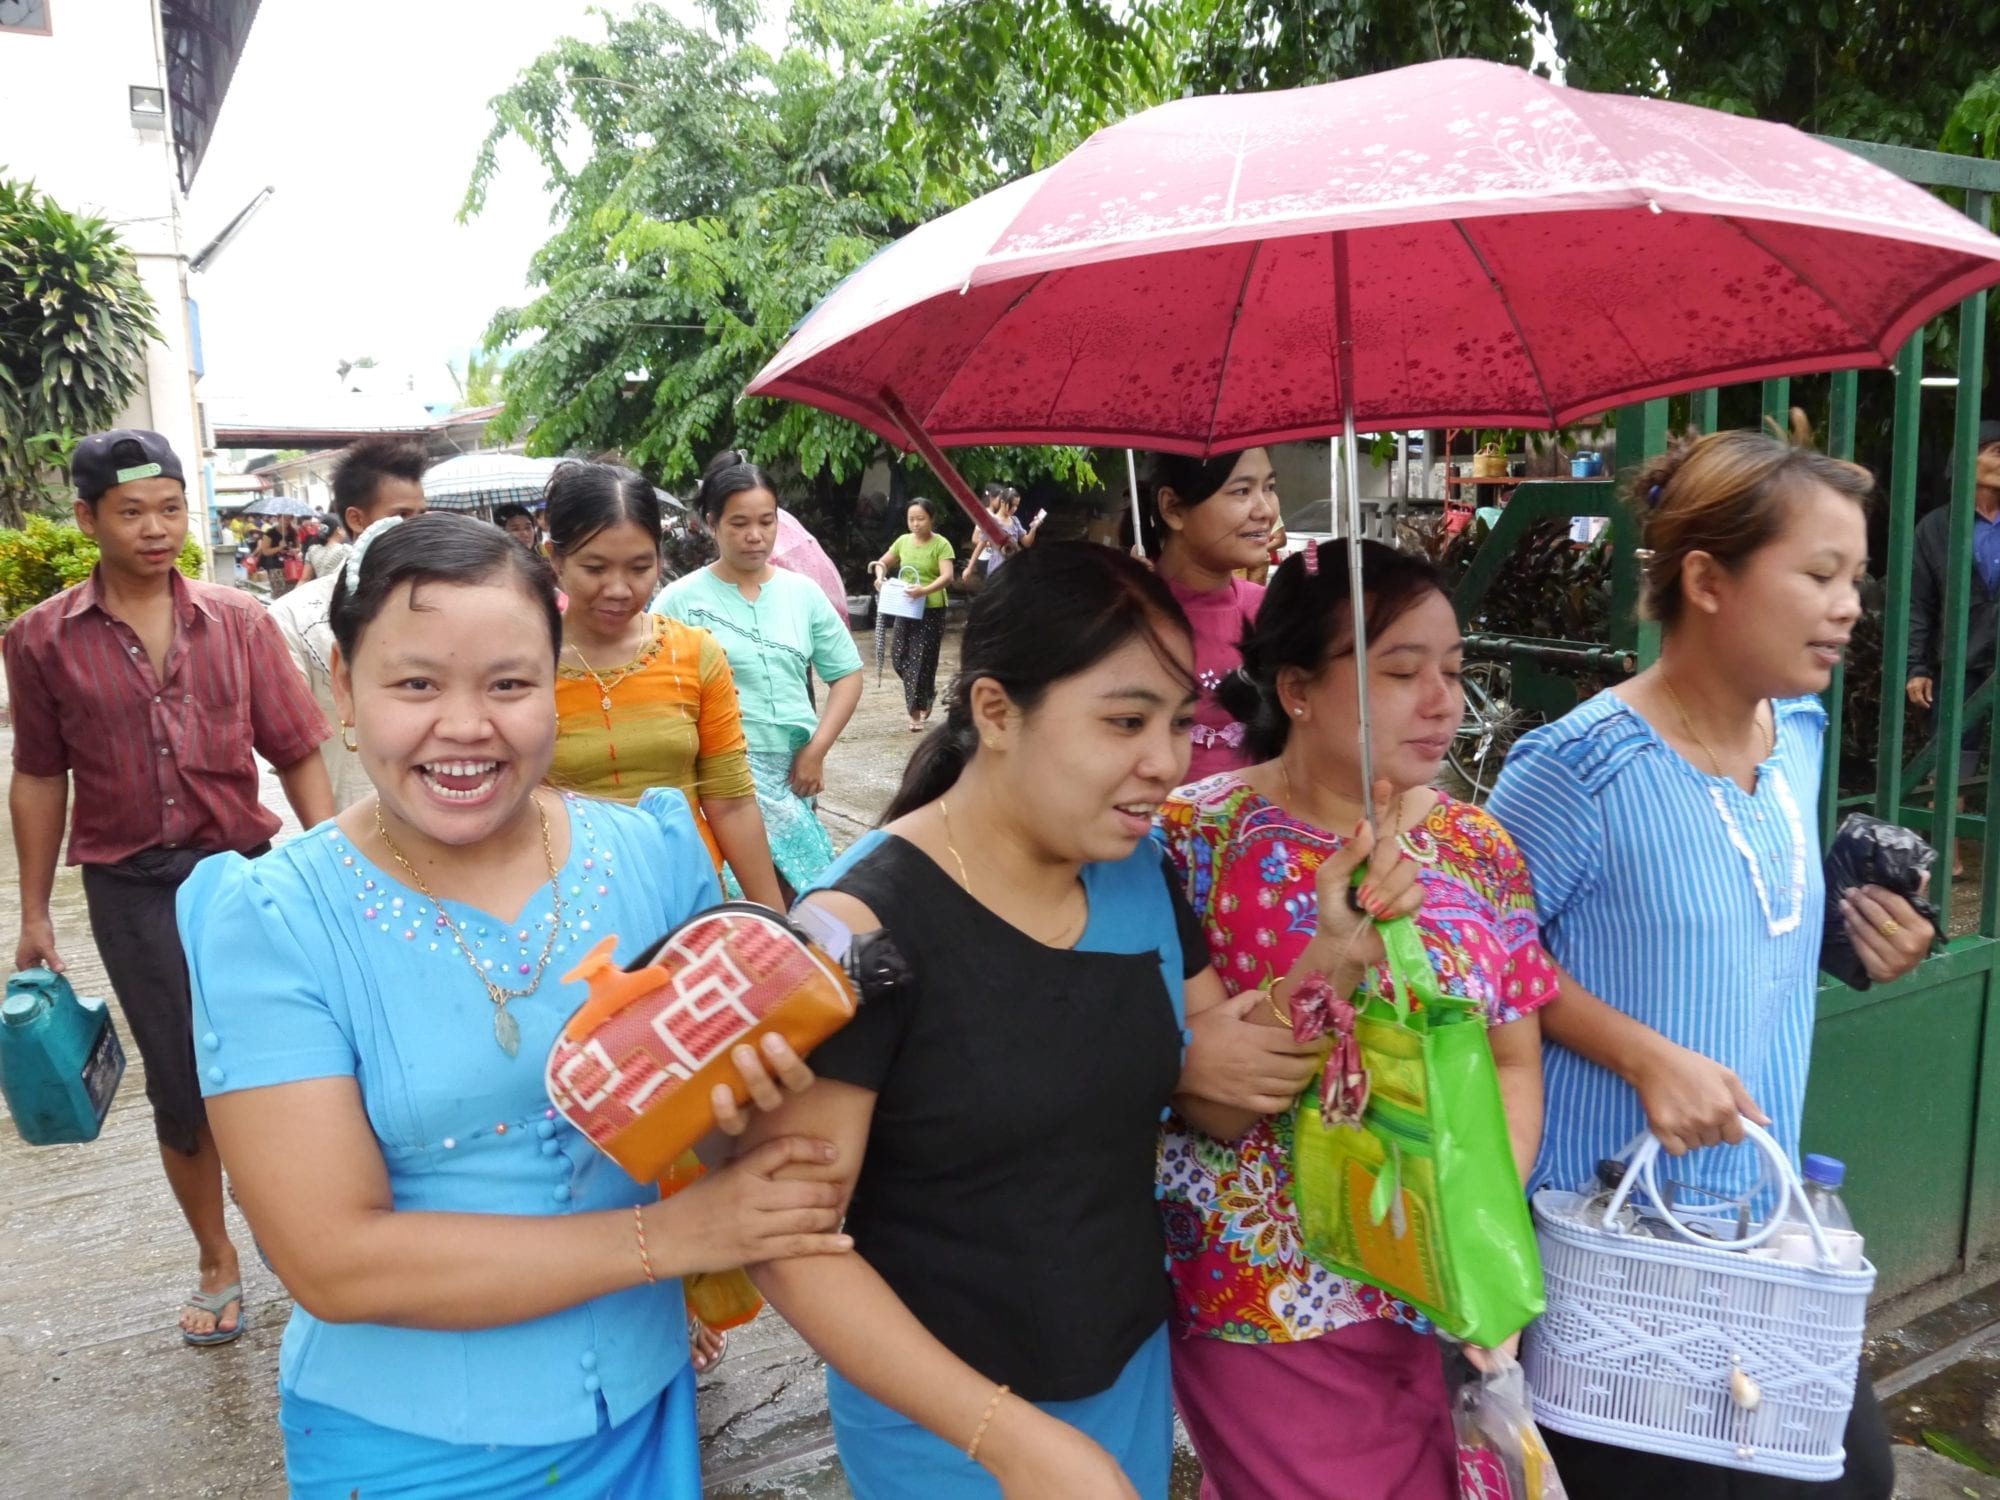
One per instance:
(324, 425)
(110, 106)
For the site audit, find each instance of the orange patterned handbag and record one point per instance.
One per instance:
(635, 1067)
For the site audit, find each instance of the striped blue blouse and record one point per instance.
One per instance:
(1682, 900)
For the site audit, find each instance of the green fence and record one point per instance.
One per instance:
(1905, 1077)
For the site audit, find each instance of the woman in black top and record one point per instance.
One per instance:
(1002, 1326)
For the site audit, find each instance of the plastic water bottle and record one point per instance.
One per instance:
(60, 1059)
(1823, 1177)
(1794, 1241)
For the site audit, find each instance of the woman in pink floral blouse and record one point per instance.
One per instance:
(1292, 1381)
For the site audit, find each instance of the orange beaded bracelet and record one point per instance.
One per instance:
(639, 1228)
(972, 1449)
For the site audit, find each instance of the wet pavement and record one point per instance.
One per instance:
(100, 1400)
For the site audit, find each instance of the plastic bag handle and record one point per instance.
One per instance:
(1411, 974)
(1641, 1157)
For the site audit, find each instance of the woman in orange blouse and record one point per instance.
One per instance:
(642, 700)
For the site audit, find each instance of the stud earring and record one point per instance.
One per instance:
(1298, 713)
(349, 739)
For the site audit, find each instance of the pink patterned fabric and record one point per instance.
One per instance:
(1516, 254)
(1236, 1252)
(1218, 618)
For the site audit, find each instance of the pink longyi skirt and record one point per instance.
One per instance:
(1357, 1414)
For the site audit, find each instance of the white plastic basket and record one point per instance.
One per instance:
(1642, 1336)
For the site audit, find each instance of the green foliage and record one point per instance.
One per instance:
(74, 325)
(44, 557)
(1871, 70)
(1974, 126)
(1260, 44)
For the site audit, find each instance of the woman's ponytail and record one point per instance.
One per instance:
(939, 759)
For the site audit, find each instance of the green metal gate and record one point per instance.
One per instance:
(1905, 1077)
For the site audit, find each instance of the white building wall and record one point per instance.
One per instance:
(68, 94)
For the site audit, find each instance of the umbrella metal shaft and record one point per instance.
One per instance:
(1132, 479)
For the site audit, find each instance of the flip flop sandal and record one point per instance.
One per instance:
(215, 1304)
(695, 1330)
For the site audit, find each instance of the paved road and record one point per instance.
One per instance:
(99, 1399)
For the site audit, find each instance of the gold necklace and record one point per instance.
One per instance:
(506, 1030)
(638, 663)
(1695, 734)
(1061, 940)
(618, 675)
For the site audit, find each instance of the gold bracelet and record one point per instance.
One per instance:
(972, 1449)
(639, 1228)
(1271, 995)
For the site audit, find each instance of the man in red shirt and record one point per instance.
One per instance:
(151, 692)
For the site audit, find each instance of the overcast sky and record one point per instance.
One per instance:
(367, 121)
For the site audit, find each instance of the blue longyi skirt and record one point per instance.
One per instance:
(333, 1455)
(889, 1457)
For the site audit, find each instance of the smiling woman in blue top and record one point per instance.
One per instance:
(485, 1305)
(1670, 827)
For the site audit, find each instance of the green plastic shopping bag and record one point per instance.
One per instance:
(1421, 1197)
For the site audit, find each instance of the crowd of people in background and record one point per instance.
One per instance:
(1038, 1198)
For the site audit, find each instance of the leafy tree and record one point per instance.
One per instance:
(719, 193)
(74, 324)
(1872, 70)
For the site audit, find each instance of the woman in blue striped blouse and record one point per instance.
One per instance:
(1669, 827)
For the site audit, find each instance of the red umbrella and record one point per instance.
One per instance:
(1453, 244)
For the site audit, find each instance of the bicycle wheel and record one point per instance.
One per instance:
(1489, 729)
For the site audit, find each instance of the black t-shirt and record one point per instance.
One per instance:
(1007, 1191)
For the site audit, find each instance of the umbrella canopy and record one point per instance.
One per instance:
(799, 551)
(278, 505)
(473, 481)
(1453, 244)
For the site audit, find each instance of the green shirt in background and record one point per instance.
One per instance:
(772, 644)
(926, 559)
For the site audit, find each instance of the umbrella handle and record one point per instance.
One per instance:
(954, 482)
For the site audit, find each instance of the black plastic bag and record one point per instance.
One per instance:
(1868, 851)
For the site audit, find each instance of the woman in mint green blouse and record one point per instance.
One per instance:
(778, 629)
(923, 560)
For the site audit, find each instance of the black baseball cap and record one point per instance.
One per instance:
(106, 459)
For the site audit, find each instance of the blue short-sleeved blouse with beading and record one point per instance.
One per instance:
(312, 962)
(1683, 901)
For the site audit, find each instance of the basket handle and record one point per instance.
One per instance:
(1642, 1157)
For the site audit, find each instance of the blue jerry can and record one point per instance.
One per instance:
(60, 1059)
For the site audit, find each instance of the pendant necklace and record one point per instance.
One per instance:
(506, 1030)
(1776, 925)
(606, 683)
